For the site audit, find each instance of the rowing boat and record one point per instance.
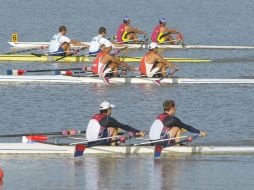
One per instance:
(226, 47)
(85, 58)
(120, 80)
(39, 148)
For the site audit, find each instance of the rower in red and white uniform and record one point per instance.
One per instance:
(60, 44)
(106, 64)
(103, 125)
(127, 33)
(166, 125)
(162, 34)
(153, 64)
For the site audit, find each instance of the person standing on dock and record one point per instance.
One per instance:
(168, 126)
(162, 34)
(153, 64)
(60, 44)
(127, 33)
(103, 125)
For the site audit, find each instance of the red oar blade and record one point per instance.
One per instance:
(157, 151)
(79, 150)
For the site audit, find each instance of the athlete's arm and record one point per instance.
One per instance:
(171, 31)
(77, 43)
(165, 62)
(132, 29)
(115, 124)
(114, 60)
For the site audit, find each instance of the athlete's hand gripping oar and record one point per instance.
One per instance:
(26, 50)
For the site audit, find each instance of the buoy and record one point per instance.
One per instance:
(1, 174)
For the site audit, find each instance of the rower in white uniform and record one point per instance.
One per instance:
(60, 44)
(99, 41)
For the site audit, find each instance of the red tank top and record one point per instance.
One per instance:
(120, 32)
(155, 34)
(142, 67)
(95, 67)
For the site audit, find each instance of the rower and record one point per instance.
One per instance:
(98, 41)
(153, 64)
(105, 64)
(168, 126)
(60, 44)
(103, 125)
(162, 34)
(127, 33)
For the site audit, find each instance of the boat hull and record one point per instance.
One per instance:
(38, 148)
(84, 58)
(130, 80)
(135, 46)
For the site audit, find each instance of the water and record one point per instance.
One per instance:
(225, 111)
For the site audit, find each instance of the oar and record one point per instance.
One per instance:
(65, 132)
(80, 147)
(159, 140)
(158, 148)
(26, 50)
(73, 53)
(21, 72)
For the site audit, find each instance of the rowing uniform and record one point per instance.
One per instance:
(121, 35)
(98, 127)
(157, 36)
(100, 68)
(148, 69)
(163, 123)
(56, 43)
(96, 43)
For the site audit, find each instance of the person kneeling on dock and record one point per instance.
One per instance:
(60, 44)
(154, 65)
(102, 125)
(106, 64)
(168, 126)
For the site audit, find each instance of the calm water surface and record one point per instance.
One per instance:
(225, 111)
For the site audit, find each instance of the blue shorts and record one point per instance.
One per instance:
(59, 52)
(95, 53)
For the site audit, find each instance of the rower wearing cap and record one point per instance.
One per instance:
(127, 33)
(106, 64)
(163, 34)
(103, 125)
(60, 44)
(153, 64)
(168, 126)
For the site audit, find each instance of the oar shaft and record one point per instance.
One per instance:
(37, 134)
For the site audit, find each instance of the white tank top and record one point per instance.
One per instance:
(96, 43)
(92, 130)
(56, 41)
(155, 130)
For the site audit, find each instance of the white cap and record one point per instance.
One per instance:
(107, 44)
(106, 105)
(153, 45)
